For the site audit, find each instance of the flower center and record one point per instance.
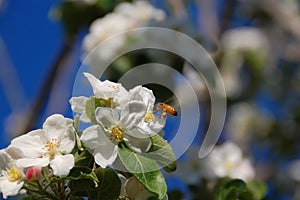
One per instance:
(117, 134)
(51, 148)
(149, 117)
(14, 174)
(228, 165)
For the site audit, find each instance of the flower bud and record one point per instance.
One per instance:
(33, 174)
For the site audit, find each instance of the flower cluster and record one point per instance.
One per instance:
(47, 161)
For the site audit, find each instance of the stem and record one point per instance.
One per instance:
(57, 67)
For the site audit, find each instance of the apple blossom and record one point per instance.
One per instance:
(51, 145)
(11, 176)
(102, 90)
(227, 160)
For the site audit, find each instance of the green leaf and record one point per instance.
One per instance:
(234, 189)
(145, 170)
(84, 159)
(162, 153)
(76, 125)
(109, 187)
(82, 179)
(92, 103)
(258, 189)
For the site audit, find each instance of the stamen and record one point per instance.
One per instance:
(51, 148)
(14, 174)
(149, 117)
(117, 134)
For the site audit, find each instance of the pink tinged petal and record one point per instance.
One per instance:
(31, 144)
(62, 164)
(55, 126)
(29, 162)
(132, 113)
(108, 117)
(10, 188)
(33, 174)
(97, 143)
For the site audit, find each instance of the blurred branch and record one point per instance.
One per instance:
(9, 80)
(57, 67)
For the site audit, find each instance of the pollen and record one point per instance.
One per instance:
(149, 117)
(51, 148)
(117, 134)
(228, 165)
(14, 174)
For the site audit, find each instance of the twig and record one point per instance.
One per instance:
(57, 67)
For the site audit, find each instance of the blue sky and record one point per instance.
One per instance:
(32, 42)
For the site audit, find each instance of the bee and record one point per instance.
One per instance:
(165, 109)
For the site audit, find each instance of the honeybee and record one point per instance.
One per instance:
(165, 109)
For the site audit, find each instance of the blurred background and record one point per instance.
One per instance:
(255, 44)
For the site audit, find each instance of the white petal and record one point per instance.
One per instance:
(92, 137)
(78, 104)
(67, 140)
(62, 164)
(5, 160)
(55, 126)
(138, 145)
(31, 144)
(105, 155)
(106, 89)
(140, 93)
(10, 188)
(29, 162)
(97, 143)
(108, 117)
(152, 127)
(132, 113)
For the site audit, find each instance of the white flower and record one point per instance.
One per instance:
(101, 90)
(140, 11)
(150, 123)
(236, 42)
(118, 124)
(105, 27)
(227, 160)
(11, 177)
(125, 17)
(50, 145)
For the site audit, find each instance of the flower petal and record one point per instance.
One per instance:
(29, 162)
(8, 188)
(143, 94)
(31, 144)
(97, 143)
(108, 117)
(62, 164)
(55, 126)
(78, 105)
(106, 89)
(67, 140)
(132, 113)
(138, 145)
